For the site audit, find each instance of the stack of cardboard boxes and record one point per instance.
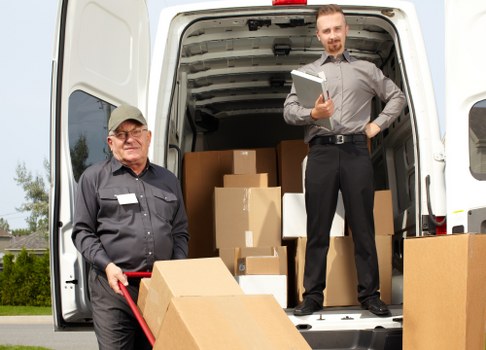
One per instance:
(241, 203)
(341, 283)
(248, 230)
(197, 304)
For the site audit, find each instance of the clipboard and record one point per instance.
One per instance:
(308, 88)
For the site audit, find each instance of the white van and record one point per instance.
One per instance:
(216, 78)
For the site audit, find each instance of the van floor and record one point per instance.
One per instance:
(337, 328)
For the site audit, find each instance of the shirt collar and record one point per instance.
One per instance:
(117, 166)
(325, 57)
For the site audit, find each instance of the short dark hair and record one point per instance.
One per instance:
(329, 10)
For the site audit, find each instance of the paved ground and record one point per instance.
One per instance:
(39, 331)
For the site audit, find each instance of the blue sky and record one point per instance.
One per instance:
(27, 34)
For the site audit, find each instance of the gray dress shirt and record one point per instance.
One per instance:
(352, 84)
(127, 219)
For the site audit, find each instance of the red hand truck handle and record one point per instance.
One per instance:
(134, 307)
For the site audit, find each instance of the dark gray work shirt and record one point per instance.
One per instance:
(127, 219)
(352, 84)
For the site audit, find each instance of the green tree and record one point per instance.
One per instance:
(79, 156)
(36, 196)
(4, 225)
(25, 280)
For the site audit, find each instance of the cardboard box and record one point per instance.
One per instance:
(142, 293)
(444, 300)
(383, 213)
(294, 216)
(245, 180)
(247, 217)
(258, 265)
(266, 162)
(244, 162)
(341, 275)
(290, 154)
(188, 277)
(279, 252)
(275, 285)
(202, 172)
(228, 322)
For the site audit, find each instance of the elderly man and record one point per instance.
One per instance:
(128, 214)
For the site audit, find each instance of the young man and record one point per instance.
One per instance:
(338, 159)
(129, 213)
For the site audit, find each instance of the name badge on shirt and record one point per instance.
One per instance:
(127, 198)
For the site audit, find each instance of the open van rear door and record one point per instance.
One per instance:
(101, 59)
(465, 115)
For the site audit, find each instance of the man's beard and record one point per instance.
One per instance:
(334, 47)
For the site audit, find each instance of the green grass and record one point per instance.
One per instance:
(21, 347)
(6, 310)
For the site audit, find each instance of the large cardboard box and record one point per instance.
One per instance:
(202, 172)
(244, 162)
(383, 213)
(245, 180)
(228, 322)
(290, 154)
(142, 293)
(187, 277)
(342, 279)
(444, 292)
(248, 217)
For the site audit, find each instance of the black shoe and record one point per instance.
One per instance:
(307, 307)
(376, 306)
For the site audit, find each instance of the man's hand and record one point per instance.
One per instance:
(115, 274)
(322, 109)
(371, 130)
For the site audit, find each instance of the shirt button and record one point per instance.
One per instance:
(148, 232)
(150, 253)
(141, 196)
(145, 214)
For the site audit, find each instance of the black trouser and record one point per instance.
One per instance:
(115, 325)
(330, 168)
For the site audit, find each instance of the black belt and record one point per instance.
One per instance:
(337, 139)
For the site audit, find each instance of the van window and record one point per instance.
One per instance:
(87, 131)
(477, 140)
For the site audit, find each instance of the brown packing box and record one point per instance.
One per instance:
(230, 256)
(244, 162)
(341, 275)
(280, 252)
(228, 322)
(248, 217)
(245, 180)
(290, 154)
(202, 172)
(142, 293)
(383, 213)
(444, 292)
(258, 265)
(188, 277)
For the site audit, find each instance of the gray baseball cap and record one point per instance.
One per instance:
(124, 113)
